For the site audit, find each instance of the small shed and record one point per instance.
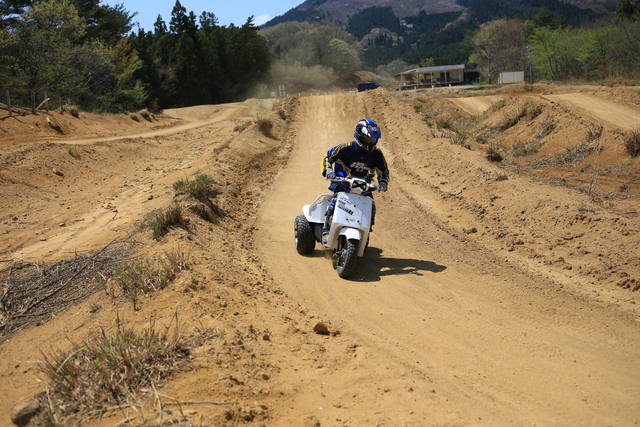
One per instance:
(439, 75)
(511, 77)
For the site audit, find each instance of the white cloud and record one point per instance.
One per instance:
(262, 19)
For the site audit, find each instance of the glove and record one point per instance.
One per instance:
(331, 176)
(382, 186)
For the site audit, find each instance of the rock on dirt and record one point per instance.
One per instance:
(22, 414)
(57, 172)
(321, 329)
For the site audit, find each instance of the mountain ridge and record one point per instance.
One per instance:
(340, 10)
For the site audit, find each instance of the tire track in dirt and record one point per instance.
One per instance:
(483, 342)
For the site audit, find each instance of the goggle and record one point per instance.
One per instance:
(369, 140)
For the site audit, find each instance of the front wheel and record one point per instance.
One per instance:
(305, 240)
(347, 259)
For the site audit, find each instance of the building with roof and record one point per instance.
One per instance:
(442, 75)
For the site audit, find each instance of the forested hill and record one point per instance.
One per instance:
(434, 30)
(340, 10)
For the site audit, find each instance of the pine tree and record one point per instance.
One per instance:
(626, 9)
(159, 27)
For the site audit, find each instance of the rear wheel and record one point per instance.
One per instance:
(347, 259)
(305, 240)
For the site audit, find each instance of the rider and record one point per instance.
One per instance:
(359, 159)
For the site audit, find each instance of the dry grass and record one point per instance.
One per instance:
(461, 140)
(594, 134)
(265, 126)
(240, 127)
(166, 219)
(571, 156)
(482, 139)
(497, 106)
(108, 369)
(73, 151)
(529, 109)
(545, 127)
(493, 154)
(200, 188)
(532, 110)
(147, 276)
(526, 148)
(632, 143)
(443, 121)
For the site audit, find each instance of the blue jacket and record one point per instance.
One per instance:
(355, 161)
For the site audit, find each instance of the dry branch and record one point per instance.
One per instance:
(34, 291)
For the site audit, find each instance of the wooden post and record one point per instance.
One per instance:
(9, 103)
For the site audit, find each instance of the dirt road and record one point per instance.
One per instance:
(462, 335)
(516, 322)
(609, 112)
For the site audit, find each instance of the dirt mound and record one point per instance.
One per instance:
(27, 128)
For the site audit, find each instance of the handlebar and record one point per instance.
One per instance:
(356, 183)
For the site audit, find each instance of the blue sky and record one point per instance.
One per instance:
(227, 11)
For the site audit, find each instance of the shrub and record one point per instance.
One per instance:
(73, 151)
(493, 154)
(145, 114)
(482, 139)
(167, 219)
(632, 143)
(443, 121)
(525, 148)
(109, 368)
(265, 126)
(418, 108)
(201, 188)
(134, 117)
(146, 276)
(73, 110)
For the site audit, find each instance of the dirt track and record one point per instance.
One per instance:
(439, 327)
(468, 336)
(602, 109)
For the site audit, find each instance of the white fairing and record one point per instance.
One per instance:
(315, 212)
(351, 218)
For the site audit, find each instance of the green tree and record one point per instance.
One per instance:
(43, 37)
(626, 10)
(499, 46)
(546, 19)
(343, 58)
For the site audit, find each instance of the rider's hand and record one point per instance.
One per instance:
(331, 176)
(382, 186)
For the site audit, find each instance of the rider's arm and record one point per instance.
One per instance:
(331, 157)
(382, 171)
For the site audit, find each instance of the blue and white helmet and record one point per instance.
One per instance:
(367, 134)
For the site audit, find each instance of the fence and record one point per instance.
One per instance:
(22, 102)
